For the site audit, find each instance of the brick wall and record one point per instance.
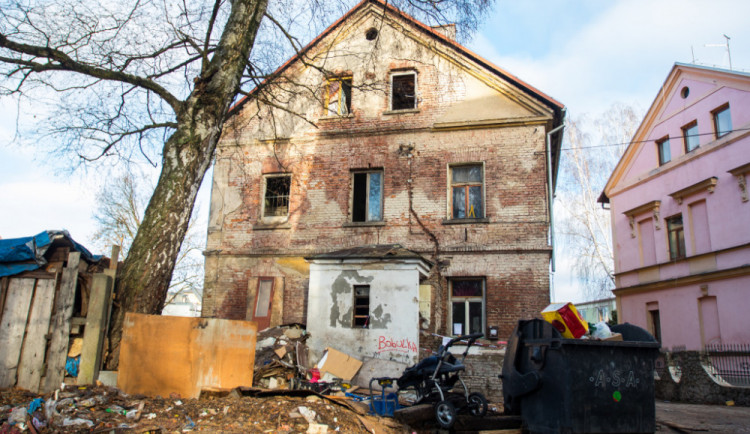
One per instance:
(466, 114)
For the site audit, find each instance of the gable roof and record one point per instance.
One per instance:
(658, 106)
(555, 105)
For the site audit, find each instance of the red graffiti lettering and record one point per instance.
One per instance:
(399, 345)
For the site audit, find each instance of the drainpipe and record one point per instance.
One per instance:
(550, 189)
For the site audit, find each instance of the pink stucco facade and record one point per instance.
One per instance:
(696, 292)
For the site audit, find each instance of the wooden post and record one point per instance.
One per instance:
(58, 348)
(96, 325)
(13, 327)
(35, 344)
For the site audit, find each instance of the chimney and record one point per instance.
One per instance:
(448, 30)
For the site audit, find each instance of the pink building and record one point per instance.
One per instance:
(681, 215)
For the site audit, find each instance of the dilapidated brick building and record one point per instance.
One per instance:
(384, 131)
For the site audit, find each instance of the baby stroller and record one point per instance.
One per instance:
(434, 379)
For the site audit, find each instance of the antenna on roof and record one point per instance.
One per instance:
(729, 53)
(692, 52)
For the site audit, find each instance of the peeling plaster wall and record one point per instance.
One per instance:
(393, 333)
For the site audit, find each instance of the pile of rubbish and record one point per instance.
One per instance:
(280, 356)
(106, 409)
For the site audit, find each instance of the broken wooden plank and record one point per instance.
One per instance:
(96, 324)
(12, 328)
(35, 343)
(63, 311)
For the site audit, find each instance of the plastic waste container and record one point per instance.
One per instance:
(577, 385)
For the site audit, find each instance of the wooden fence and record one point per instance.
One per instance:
(42, 312)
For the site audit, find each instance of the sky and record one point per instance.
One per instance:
(587, 54)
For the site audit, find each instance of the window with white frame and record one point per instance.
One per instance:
(403, 90)
(367, 196)
(276, 195)
(467, 195)
(467, 306)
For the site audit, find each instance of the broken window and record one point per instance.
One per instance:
(339, 96)
(467, 196)
(676, 236)
(361, 306)
(367, 196)
(467, 306)
(404, 91)
(276, 196)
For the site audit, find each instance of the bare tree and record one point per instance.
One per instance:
(592, 149)
(120, 206)
(155, 79)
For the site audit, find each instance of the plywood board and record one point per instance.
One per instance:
(63, 310)
(12, 328)
(96, 324)
(161, 355)
(35, 343)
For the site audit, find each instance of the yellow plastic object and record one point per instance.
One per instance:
(566, 319)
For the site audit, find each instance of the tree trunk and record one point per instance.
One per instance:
(147, 271)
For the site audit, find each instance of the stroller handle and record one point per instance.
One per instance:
(470, 338)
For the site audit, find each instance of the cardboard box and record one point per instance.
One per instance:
(566, 319)
(339, 364)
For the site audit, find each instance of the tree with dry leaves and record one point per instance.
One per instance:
(154, 80)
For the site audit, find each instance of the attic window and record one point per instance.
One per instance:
(404, 91)
(371, 34)
(685, 92)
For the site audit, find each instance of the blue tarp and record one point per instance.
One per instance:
(23, 254)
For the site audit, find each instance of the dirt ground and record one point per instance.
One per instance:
(104, 409)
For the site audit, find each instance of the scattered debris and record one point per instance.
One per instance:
(104, 409)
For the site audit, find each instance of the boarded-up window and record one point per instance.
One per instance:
(699, 228)
(646, 238)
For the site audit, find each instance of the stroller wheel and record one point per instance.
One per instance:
(478, 404)
(445, 412)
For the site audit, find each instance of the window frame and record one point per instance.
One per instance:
(394, 74)
(686, 136)
(342, 81)
(724, 108)
(663, 144)
(467, 300)
(367, 195)
(355, 301)
(275, 218)
(679, 241)
(466, 186)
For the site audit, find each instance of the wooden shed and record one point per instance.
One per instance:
(55, 299)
